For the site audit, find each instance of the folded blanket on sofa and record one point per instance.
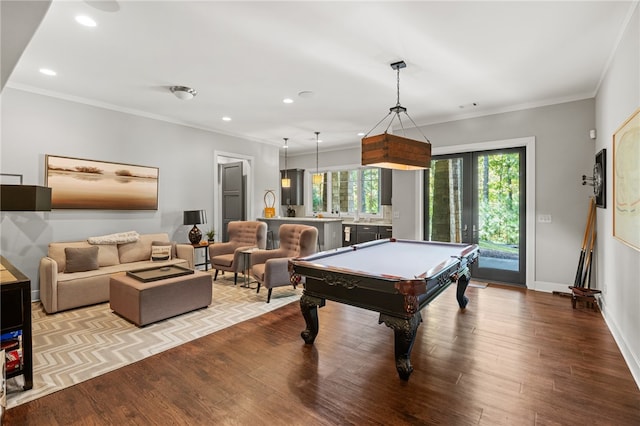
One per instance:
(118, 238)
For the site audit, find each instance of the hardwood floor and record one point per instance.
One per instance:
(514, 357)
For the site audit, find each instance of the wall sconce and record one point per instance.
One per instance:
(194, 217)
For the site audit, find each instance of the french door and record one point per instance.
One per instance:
(479, 198)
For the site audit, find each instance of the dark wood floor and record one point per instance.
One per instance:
(514, 357)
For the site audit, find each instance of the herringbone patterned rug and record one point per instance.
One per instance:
(77, 345)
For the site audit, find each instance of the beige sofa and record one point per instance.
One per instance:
(60, 290)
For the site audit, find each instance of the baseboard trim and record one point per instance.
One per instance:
(548, 287)
(632, 362)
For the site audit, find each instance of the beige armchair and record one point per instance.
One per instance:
(242, 235)
(270, 268)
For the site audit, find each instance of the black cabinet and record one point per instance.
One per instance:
(366, 233)
(386, 183)
(15, 318)
(294, 195)
(385, 232)
(356, 234)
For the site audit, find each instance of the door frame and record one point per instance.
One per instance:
(220, 157)
(529, 143)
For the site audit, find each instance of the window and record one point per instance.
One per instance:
(347, 191)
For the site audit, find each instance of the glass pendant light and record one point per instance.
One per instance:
(317, 176)
(285, 182)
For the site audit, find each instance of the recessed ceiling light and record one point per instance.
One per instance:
(86, 21)
(47, 71)
(226, 118)
(287, 100)
(361, 134)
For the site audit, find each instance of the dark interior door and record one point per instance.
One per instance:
(233, 197)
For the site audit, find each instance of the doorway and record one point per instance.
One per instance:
(479, 197)
(233, 189)
(232, 186)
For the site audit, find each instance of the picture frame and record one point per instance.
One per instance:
(626, 182)
(78, 183)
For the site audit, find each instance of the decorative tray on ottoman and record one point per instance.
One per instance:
(159, 273)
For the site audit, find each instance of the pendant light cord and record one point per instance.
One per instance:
(286, 146)
(397, 108)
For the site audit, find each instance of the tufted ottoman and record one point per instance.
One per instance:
(143, 303)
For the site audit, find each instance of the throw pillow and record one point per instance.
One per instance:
(160, 253)
(80, 259)
(166, 243)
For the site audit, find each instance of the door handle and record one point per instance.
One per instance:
(465, 230)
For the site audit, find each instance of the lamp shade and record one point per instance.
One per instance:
(194, 217)
(395, 152)
(26, 198)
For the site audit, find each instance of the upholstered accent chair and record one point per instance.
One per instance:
(242, 235)
(270, 268)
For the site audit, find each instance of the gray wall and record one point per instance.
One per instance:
(619, 265)
(34, 125)
(564, 152)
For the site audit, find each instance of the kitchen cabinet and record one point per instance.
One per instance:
(356, 234)
(386, 183)
(366, 233)
(294, 195)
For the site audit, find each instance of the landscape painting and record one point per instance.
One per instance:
(87, 184)
(626, 182)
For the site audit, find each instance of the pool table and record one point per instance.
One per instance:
(394, 277)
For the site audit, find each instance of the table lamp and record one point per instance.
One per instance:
(194, 217)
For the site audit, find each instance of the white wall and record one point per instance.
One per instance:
(34, 125)
(618, 269)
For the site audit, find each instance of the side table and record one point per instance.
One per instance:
(15, 313)
(246, 265)
(206, 255)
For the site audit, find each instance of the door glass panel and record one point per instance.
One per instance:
(498, 221)
(446, 203)
(479, 198)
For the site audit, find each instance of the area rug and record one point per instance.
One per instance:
(77, 345)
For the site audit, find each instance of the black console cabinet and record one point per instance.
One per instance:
(15, 314)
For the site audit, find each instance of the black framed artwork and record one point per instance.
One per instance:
(599, 179)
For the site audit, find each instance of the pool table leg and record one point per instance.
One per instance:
(404, 331)
(463, 281)
(309, 307)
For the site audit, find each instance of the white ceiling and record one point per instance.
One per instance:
(244, 58)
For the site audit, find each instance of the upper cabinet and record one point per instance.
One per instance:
(386, 178)
(294, 195)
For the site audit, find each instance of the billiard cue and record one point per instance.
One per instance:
(586, 279)
(578, 279)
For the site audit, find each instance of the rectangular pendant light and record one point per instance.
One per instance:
(395, 152)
